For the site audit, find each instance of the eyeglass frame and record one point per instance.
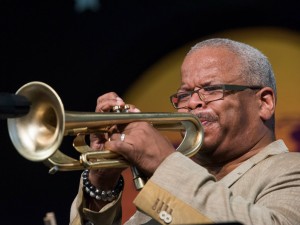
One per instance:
(223, 87)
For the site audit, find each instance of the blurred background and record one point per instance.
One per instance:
(85, 48)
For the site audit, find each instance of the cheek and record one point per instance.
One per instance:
(230, 118)
(237, 119)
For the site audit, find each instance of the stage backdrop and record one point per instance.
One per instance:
(151, 92)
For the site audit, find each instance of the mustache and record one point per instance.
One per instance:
(205, 116)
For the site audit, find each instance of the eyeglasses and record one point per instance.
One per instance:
(206, 94)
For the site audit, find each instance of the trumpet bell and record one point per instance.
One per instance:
(38, 135)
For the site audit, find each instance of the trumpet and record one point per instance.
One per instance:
(38, 135)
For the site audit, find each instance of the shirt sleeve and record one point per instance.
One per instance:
(168, 194)
(110, 214)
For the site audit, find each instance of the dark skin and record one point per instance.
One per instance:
(235, 127)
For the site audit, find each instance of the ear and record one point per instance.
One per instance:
(267, 102)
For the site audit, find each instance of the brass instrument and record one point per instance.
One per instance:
(38, 134)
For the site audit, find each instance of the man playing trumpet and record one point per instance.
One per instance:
(242, 173)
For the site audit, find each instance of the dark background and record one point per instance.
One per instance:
(83, 54)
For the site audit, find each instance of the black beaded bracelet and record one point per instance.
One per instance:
(99, 194)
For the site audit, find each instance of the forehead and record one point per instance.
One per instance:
(211, 65)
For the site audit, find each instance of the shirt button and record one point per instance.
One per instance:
(166, 217)
(162, 215)
(89, 223)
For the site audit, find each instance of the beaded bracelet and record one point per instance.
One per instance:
(99, 194)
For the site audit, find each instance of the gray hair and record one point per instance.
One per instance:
(256, 68)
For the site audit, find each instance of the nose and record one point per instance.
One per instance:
(195, 101)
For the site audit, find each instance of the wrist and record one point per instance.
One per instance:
(104, 194)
